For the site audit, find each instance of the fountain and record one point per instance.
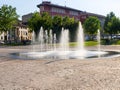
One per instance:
(41, 39)
(33, 41)
(54, 42)
(80, 50)
(64, 40)
(80, 38)
(49, 49)
(98, 39)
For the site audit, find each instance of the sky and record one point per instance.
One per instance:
(102, 7)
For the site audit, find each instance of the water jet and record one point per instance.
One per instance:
(62, 50)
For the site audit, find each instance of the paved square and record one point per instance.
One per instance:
(91, 74)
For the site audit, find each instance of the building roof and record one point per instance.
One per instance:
(50, 4)
(97, 15)
(20, 24)
(26, 17)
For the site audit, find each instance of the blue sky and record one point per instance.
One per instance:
(102, 7)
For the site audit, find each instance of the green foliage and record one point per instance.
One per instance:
(56, 23)
(91, 25)
(112, 24)
(73, 44)
(91, 43)
(118, 42)
(110, 42)
(37, 21)
(34, 23)
(108, 22)
(67, 22)
(87, 43)
(8, 18)
(115, 27)
(46, 21)
(71, 24)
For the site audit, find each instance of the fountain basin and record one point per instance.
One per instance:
(64, 55)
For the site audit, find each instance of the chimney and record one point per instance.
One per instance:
(46, 2)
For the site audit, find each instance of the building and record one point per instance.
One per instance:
(19, 33)
(63, 11)
(26, 17)
(22, 32)
(3, 37)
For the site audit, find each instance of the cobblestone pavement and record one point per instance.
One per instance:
(90, 74)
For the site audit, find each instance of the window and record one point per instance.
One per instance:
(18, 32)
(1, 37)
(42, 8)
(73, 13)
(58, 10)
(21, 32)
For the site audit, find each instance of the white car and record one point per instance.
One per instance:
(2, 42)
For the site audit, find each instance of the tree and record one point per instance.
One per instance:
(112, 24)
(91, 25)
(71, 24)
(8, 18)
(35, 22)
(46, 21)
(57, 25)
(115, 25)
(107, 23)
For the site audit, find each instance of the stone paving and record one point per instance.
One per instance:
(90, 74)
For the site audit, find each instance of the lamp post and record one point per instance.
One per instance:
(65, 3)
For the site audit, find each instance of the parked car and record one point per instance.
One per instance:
(2, 42)
(116, 37)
